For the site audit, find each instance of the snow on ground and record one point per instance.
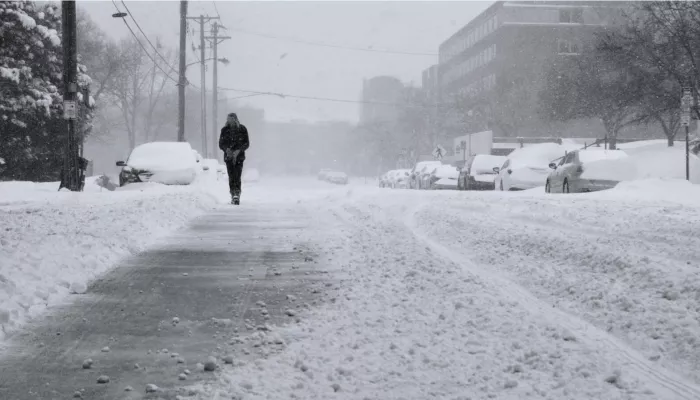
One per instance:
(435, 303)
(53, 243)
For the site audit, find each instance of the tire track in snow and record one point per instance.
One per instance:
(664, 383)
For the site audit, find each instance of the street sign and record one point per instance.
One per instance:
(439, 152)
(70, 110)
(686, 100)
(685, 119)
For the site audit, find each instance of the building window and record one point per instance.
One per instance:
(567, 47)
(571, 16)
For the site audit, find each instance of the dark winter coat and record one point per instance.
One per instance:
(234, 138)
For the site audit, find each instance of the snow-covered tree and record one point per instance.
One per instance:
(32, 129)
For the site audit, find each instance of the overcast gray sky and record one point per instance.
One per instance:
(257, 63)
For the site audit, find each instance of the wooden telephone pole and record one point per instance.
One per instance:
(203, 100)
(71, 175)
(215, 40)
(182, 81)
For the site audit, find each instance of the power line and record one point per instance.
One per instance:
(217, 13)
(144, 47)
(146, 37)
(336, 100)
(335, 46)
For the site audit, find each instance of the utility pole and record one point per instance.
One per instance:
(182, 81)
(71, 166)
(203, 96)
(215, 40)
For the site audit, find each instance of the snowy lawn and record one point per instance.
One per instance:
(432, 304)
(53, 243)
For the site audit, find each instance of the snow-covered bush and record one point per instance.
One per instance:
(33, 131)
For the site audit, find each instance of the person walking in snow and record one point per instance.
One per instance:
(234, 141)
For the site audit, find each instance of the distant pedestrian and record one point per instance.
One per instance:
(234, 142)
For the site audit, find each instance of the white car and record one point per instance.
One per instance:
(337, 177)
(400, 179)
(419, 171)
(528, 167)
(169, 163)
(444, 177)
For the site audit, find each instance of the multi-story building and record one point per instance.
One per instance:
(380, 96)
(512, 44)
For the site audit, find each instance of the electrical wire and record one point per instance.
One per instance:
(217, 13)
(144, 47)
(335, 46)
(187, 82)
(146, 37)
(331, 99)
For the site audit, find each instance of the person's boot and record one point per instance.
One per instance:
(236, 198)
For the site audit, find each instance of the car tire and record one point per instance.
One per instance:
(547, 188)
(565, 187)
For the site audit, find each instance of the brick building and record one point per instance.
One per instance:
(499, 58)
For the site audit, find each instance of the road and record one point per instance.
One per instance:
(210, 276)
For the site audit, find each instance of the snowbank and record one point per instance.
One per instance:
(52, 243)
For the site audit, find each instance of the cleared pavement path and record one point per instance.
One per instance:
(210, 276)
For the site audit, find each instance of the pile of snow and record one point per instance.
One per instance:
(606, 164)
(53, 243)
(664, 163)
(484, 164)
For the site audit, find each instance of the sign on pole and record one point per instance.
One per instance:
(70, 110)
(439, 152)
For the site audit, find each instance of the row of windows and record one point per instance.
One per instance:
(480, 59)
(469, 39)
(485, 83)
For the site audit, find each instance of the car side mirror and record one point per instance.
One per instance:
(121, 164)
(552, 165)
(205, 168)
(496, 169)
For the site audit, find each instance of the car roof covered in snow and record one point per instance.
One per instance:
(593, 155)
(162, 156)
(484, 164)
(540, 154)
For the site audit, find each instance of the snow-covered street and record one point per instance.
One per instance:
(496, 295)
(412, 294)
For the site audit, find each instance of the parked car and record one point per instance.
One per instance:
(479, 172)
(337, 177)
(322, 174)
(419, 170)
(528, 167)
(587, 170)
(385, 180)
(400, 179)
(444, 177)
(169, 163)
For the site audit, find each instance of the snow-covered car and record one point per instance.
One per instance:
(419, 171)
(400, 179)
(323, 174)
(337, 177)
(251, 175)
(588, 170)
(384, 180)
(444, 177)
(478, 173)
(169, 163)
(528, 167)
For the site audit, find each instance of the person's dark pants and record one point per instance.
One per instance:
(234, 176)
